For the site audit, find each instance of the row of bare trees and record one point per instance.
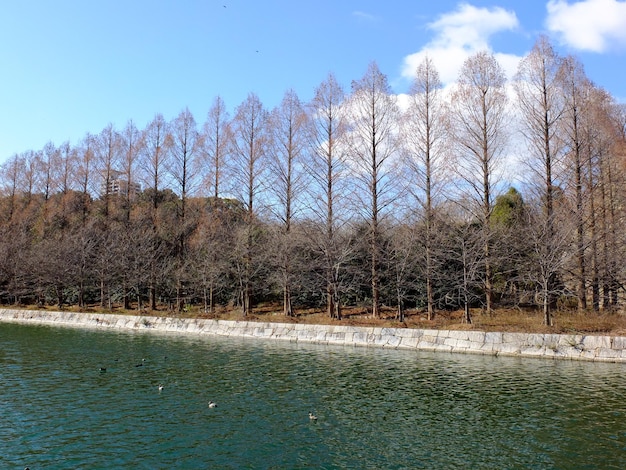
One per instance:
(360, 198)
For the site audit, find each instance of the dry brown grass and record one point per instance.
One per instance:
(504, 320)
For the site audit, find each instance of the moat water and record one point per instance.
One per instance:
(74, 398)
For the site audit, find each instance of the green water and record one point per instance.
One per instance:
(376, 408)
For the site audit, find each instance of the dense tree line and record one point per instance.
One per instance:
(355, 198)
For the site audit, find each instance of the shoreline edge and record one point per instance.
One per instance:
(554, 346)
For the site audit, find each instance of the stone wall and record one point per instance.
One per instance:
(582, 347)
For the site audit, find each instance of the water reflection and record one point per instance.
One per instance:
(376, 408)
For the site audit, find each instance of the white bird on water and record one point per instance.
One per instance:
(312, 417)
(160, 387)
(212, 404)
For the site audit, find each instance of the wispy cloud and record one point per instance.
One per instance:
(458, 35)
(589, 25)
(363, 16)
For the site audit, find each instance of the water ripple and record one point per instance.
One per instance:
(376, 408)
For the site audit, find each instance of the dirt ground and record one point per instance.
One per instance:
(503, 320)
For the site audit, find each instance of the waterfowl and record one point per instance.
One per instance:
(212, 404)
(312, 417)
(103, 369)
(160, 387)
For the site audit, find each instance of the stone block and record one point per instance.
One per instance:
(426, 345)
(607, 353)
(338, 336)
(454, 334)
(619, 342)
(408, 333)
(588, 354)
(376, 339)
(319, 335)
(407, 342)
(595, 342)
(571, 341)
(476, 336)
(534, 351)
(508, 348)
(428, 338)
(493, 337)
(464, 344)
(514, 338)
(360, 339)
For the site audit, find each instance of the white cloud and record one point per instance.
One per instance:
(593, 25)
(363, 16)
(460, 34)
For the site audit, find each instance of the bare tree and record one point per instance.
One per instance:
(184, 164)
(64, 168)
(327, 169)
(545, 268)
(184, 170)
(424, 134)
(467, 249)
(542, 108)
(603, 142)
(479, 125)
(132, 143)
(155, 152)
(85, 165)
(216, 136)
(49, 157)
(373, 145)
(403, 258)
(248, 155)
(574, 86)
(84, 177)
(11, 173)
(209, 242)
(107, 150)
(287, 140)
(611, 175)
(153, 164)
(31, 175)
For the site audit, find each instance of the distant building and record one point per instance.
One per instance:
(119, 184)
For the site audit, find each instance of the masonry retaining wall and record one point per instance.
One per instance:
(579, 347)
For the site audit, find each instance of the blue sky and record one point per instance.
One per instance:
(73, 66)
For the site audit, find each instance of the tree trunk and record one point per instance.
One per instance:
(152, 288)
(211, 298)
(60, 296)
(287, 308)
(547, 316)
(400, 312)
(330, 307)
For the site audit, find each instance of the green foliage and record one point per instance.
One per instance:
(508, 209)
